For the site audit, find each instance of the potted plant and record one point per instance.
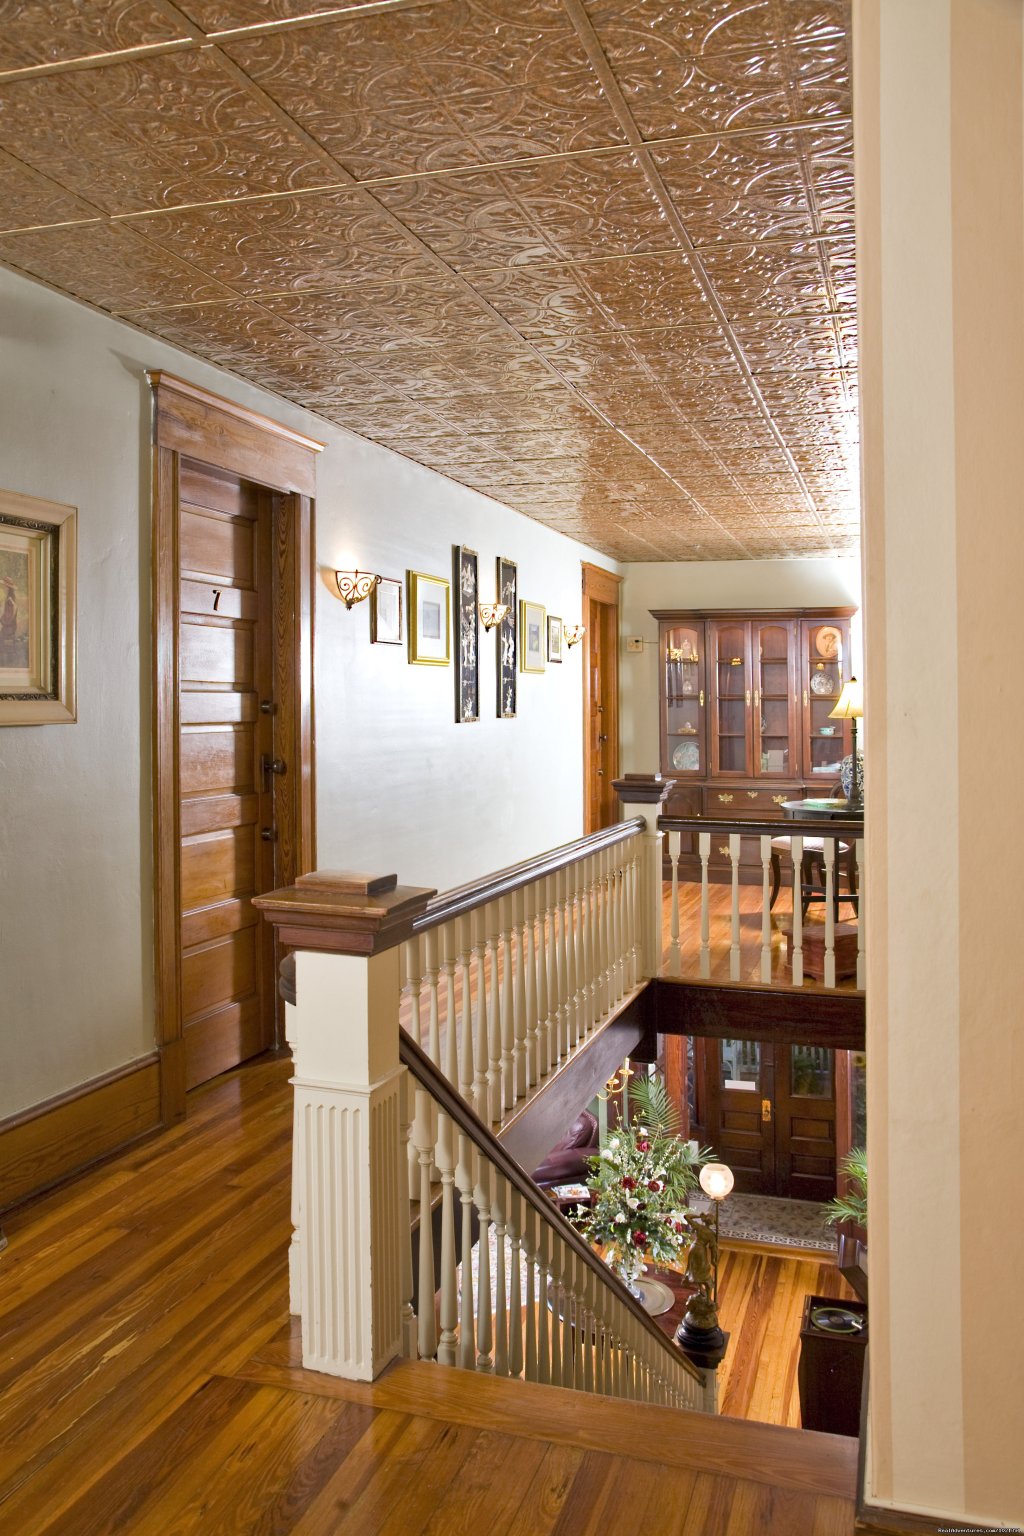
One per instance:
(848, 1213)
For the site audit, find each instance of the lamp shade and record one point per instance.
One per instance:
(850, 703)
(716, 1180)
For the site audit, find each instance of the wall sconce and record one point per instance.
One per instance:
(572, 634)
(491, 614)
(354, 586)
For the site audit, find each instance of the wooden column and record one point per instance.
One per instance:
(644, 794)
(350, 1176)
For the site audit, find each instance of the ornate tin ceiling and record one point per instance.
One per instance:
(591, 257)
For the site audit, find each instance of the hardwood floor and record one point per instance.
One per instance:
(148, 1383)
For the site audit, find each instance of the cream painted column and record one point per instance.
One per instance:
(644, 794)
(939, 137)
(350, 1175)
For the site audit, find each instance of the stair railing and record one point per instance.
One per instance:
(538, 1304)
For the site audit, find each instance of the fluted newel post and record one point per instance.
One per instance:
(644, 794)
(350, 1162)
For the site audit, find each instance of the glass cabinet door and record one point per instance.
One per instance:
(683, 662)
(825, 670)
(776, 738)
(731, 752)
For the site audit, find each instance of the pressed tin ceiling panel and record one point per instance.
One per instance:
(592, 257)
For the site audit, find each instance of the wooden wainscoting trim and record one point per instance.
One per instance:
(51, 1142)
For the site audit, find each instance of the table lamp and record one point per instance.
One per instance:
(850, 706)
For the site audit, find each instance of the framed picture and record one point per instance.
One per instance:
(37, 611)
(466, 575)
(386, 612)
(507, 634)
(554, 638)
(429, 620)
(531, 633)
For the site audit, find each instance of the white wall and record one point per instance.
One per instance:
(400, 785)
(711, 584)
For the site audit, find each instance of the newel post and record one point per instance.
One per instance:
(350, 1190)
(644, 794)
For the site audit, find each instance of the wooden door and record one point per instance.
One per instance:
(805, 1122)
(775, 716)
(233, 771)
(825, 667)
(226, 760)
(600, 698)
(729, 679)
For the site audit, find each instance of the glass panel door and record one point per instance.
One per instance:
(683, 662)
(826, 741)
(730, 681)
(775, 738)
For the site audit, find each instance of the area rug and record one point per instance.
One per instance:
(776, 1223)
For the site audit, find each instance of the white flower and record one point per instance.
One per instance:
(633, 1202)
(620, 1218)
(613, 1141)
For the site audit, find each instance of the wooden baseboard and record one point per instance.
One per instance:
(875, 1521)
(50, 1142)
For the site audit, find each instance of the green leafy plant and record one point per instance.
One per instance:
(640, 1183)
(853, 1206)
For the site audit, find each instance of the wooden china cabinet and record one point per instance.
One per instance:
(745, 703)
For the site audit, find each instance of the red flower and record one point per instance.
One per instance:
(644, 1146)
(639, 1238)
(629, 1183)
(654, 1184)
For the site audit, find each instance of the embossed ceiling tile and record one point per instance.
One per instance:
(821, 78)
(28, 199)
(580, 358)
(540, 300)
(671, 30)
(588, 443)
(768, 279)
(791, 344)
(223, 15)
(803, 390)
(47, 31)
(232, 333)
(710, 94)
(532, 409)
(106, 265)
(685, 351)
(557, 209)
(316, 241)
(647, 290)
(387, 315)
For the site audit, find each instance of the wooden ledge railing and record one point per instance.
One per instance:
(819, 863)
(549, 1310)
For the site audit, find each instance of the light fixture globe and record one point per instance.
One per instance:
(354, 586)
(491, 614)
(573, 634)
(716, 1180)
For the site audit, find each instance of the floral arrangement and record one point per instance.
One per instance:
(639, 1186)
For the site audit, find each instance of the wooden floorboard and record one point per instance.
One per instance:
(148, 1383)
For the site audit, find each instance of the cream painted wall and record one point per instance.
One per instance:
(938, 113)
(711, 584)
(400, 786)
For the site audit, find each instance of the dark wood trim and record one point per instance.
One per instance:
(342, 916)
(51, 1142)
(643, 788)
(603, 586)
(427, 1075)
(466, 898)
(600, 586)
(672, 615)
(843, 827)
(900, 1522)
(190, 421)
(781, 1015)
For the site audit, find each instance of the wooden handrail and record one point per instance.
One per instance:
(467, 898)
(843, 826)
(470, 1124)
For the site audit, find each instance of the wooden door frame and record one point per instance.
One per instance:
(190, 422)
(599, 586)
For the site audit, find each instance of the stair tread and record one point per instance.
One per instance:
(801, 1460)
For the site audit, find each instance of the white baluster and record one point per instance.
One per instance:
(515, 1306)
(494, 1079)
(674, 952)
(593, 943)
(508, 1084)
(586, 1328)
(558, 879)
(829, 857)
(499, 1207)
(571, 1010)
(734, 950)
(423, 1137)
(450, 1043)
(481, 1082)
(533, 1055)
(566, 1292)
(413, 984)
(406, 1115)
(521, 1072)
(544, 1033)
(430, 975)
(484, 1318)
(766, 916)
(465, 1179)
(615, 893)
(467, 1071)
(797, 957)
(543, 1239)
(604, 926)
(527, 1219)
(704, 848)
(579, 954)
(444, 1159)
(859, 855)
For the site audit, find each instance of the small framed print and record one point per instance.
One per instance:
(386, 612)
(507, 634)
(554, 638)
(37, 611)
(531, 637)
(429, 620)
(466, 572)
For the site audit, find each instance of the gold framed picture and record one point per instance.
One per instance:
(386, 612)
(38, 556)
(532, 632)
(429, 620)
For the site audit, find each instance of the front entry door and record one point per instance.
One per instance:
(769, 1111)
(601, 698)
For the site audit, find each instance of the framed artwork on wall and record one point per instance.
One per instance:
(507, 639)
(386, 612)
(531, 631)
(38, 570)
(429, 620)
(554, 638)
(466, 574)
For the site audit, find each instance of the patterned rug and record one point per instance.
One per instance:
(774, 1222)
